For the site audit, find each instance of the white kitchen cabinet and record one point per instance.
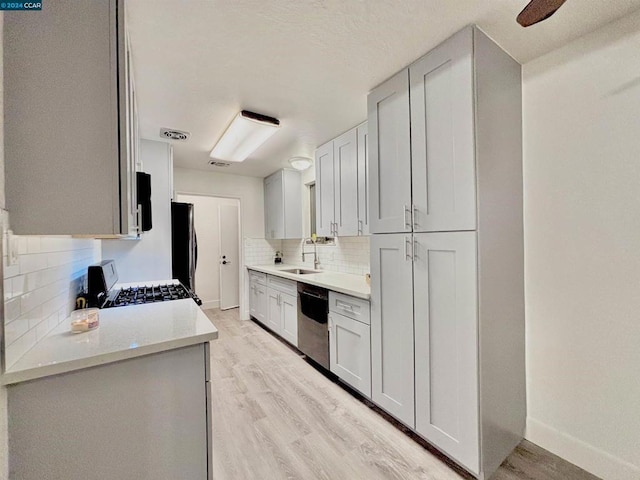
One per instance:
(70, 120)
(325, 196)
(392, 359)
(282, 308)
(446, 346)
(258, 300)
(345, 161)
(282, 205)
(289, 320)
(145, 418)
(274, 312)
(442, 137)
(450, 282)
(341, 185)
(423, 162)
(389, 156)
(350, 351)
(363, 179)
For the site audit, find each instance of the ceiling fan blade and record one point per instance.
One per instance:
(537, 11)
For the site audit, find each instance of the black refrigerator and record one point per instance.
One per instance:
(184, 244)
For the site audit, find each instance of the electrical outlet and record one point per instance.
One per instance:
(12, 248)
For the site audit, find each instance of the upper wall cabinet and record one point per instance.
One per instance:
(342, 186)
(422, 132)
(70, 120)
(282, 205)
(390, 156)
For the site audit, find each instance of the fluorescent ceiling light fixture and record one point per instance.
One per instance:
(244, 136)
(300, 163)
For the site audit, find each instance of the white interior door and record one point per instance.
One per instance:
(229, 256)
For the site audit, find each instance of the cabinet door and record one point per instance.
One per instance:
(350, 352)
(274, 312)
(253, 299)
(261, 304)
(292, 204)
(325, 195)
(446, 343)
(65, 142)
(442, 137)
(345, 161)
(392, 360)
(363, 179)
(273, 198)
(289, 312)
(390, 156)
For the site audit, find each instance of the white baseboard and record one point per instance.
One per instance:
(580, 453)
(210, 304)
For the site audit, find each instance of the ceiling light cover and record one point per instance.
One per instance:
(246, 133)
(300, 163)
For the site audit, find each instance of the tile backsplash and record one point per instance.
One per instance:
(260, 251)
(40, 289)
(348, 255)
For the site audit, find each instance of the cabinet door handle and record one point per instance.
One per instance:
(360, 226)
(407, 244)
(414, 215)
(414, 249)
(406, 210)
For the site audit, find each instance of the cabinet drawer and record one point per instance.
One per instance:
(283, 285)
(258, 277)
(351, 307)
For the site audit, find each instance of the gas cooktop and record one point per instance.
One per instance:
(102, 277)
(144, 294)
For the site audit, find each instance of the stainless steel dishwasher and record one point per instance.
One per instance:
(313, 332)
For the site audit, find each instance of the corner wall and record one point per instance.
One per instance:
(582, 249)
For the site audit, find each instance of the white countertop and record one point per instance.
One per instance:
(349, 284)
(124, 332)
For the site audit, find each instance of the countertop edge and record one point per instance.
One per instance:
(12, 378)
(310, 281)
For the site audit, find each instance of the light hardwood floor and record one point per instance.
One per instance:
(276, 417)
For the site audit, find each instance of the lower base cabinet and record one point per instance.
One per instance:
(258, 302)
(350, 352)
(147, 417)
(282, 309)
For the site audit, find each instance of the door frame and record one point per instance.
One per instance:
(243, 280)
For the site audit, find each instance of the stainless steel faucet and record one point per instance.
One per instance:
(316, 262)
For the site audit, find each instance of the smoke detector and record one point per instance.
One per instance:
(172, 134)
(217, 163)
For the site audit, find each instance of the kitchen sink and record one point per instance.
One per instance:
(299, 271)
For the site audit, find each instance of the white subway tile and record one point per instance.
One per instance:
(12, 309)
(15, 329)
(33, 245)
(18, 348)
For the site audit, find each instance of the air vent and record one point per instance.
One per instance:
(216, 163)
(174, 134)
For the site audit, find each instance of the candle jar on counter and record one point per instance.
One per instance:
(84, 320)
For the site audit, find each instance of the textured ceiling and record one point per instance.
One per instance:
(309, 63)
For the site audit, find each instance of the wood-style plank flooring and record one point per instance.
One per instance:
(276, 417)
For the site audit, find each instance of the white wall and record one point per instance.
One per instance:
(582, 249)
(207, 225)
(249, 190)
(149, 258)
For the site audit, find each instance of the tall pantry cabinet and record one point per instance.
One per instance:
(447, 296)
